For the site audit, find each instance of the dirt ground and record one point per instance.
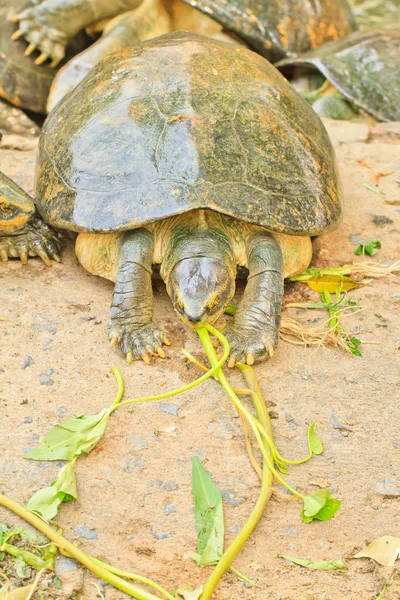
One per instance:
(135, 505)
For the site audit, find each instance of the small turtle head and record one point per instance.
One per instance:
(200, 288)
(13, 214)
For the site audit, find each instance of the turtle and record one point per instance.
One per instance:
(14, 120)
(275, 28)
(23, 84)
(22, 232)
(363, 67)
(198, 155)
(151, 19)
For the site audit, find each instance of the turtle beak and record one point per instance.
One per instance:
(200, 288)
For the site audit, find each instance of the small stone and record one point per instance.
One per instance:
(130, 464)
(45, 377)
(381, 220)
(356, 238)
(273, 414)
(168, 486)
(169, 408)
(27, 363)
(27, 421)
(233, 529)
(62, 411)
(169, 508)
(229, 497)
(137, 442)
(72, 583)
(389, 487)
(64, 564)
(160, 536)
(84, 532)
(290, 532)
(222, 428)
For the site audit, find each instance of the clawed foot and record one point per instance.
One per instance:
(34, 24)
(35, 239)
(251, 346)
(136, 344)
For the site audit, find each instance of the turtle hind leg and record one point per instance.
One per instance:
(131, 324)
(34, 239)
(253, 335)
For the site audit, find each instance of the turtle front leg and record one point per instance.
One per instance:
(253, 335)
(131, 318)
(51, 25)
(36, 238)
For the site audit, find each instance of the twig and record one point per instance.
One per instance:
(35, 584)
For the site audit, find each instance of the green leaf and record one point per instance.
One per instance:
(369, 248)
(319, 505)
(72, 438)
(314, 443)
(20, 567)
(313, 271)
(47, 500)
(209, 515)
(323, 565)
(332, 283)
(188, 593)
(57, 583)
(373, 189)
(353, 343)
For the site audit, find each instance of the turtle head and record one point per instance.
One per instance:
(14, 214)
(200, 288)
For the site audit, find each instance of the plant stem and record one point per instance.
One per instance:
(120, 384)
(267, 476)
(181, 390)
(75, 552)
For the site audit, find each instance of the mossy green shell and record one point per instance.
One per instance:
(364, 67)
(279, 28)
(23, 83)
(13, 201)
(184, 122)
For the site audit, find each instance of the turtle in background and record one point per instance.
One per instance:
(197, 155)
(22, 83)
(22, 232)
(361, 69)
(275, 29)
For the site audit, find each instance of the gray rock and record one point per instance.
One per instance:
(169, 508)
(84, 532)
(168, 486)
(137, 442)
(27, 363)
(45, 377)
(222, 428)
(234, 529)
(62, 411)
(389, 487)
(169, 408)
(131, 463)
(229, 497)
(64, 564)
(161, 536)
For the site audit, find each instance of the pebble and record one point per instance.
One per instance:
(229, 497)
(27, 363)
(45, 377)
(64, 564)
(131, 463)
(168, 486)
(389, 487)
(160, 536)
(169, 508)
(170, 408)
(62, 411)
(222, 428)
(84, 532)
(137, 442)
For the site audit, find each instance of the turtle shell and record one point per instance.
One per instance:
(23, 83)
(185, 122)
(280, 28)
(364, 67)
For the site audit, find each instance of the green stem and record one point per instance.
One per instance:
(30, 558)
(120, 384)
(265, 491)
(241, 576)
(129, 575)
(75, 552)
(181, 390)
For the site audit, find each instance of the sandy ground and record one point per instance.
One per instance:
(135, 506)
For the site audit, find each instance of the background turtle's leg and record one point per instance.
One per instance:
(131, 318)
(149, 20)
(36, 238)
(254, 333)
(50, 26)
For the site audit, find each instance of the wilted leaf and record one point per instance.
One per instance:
(319, 505)
(72, 438)
(384, 550)
(47, 500)
(314, 443)
(208, 513)
(17, 594)
(189, 593)
(332, 283)
(373, 189)
(322, 565)
(369, 248)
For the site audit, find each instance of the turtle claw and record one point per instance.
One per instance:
(35, 239)
(17, 34)
(251, 347)
(141, 343)
(31, 48)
